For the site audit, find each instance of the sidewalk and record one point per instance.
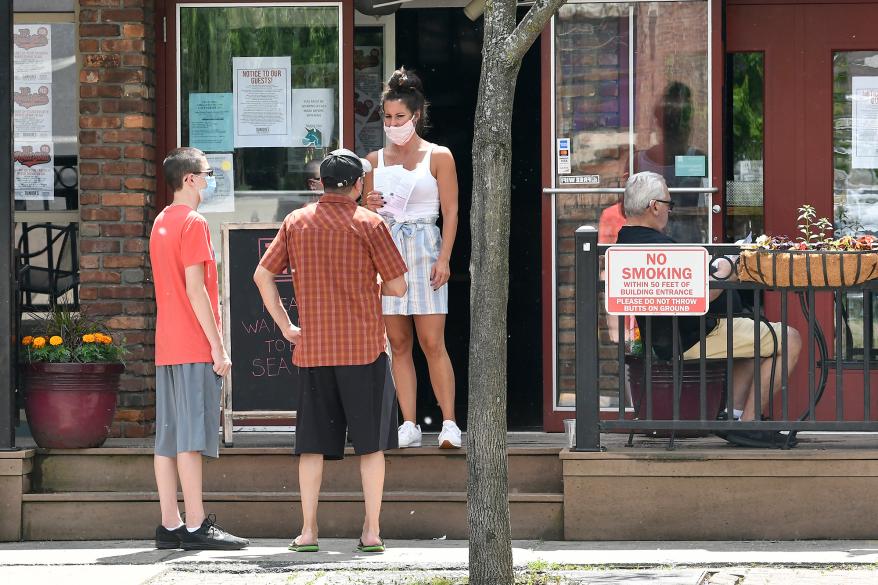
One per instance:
(441, 562)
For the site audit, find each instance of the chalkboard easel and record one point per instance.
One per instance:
(262, 383)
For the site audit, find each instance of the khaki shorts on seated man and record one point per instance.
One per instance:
(743, 340)
(647, 204)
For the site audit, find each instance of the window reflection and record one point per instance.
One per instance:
(672, 131)
(855, 157)
(631, 94)
(745, 144)
(268, 182)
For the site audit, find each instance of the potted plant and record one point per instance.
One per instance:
(71, 370)
(814, 259)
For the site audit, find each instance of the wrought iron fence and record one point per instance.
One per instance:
(677, 396)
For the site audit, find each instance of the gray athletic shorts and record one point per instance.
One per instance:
(187, 409)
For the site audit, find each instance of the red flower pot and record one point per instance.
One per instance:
(70, 406)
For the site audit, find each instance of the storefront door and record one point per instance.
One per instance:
(444, 47)
(802, 127)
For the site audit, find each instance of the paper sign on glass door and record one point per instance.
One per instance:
(864, 125)
(262, 102)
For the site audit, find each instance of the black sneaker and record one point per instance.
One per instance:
(753, 439)
(210, 537)
(168, 539)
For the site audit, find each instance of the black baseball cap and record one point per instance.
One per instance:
(342, 168)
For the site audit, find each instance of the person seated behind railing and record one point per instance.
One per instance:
(647, 203)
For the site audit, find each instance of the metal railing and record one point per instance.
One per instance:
(688, 393)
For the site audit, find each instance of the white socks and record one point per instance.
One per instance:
(737, 413)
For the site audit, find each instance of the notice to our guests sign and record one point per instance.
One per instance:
(656, 280)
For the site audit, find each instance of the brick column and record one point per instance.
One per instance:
(117, 190)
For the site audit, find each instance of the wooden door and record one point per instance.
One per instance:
(805, 49)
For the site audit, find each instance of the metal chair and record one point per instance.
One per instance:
(48, 264)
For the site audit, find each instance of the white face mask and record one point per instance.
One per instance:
(399, 135)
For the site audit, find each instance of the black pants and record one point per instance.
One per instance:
(358, 399)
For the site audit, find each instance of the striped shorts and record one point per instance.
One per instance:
(418, 241)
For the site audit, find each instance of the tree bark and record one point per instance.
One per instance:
(490, 551)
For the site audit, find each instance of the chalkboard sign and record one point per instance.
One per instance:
(263, 381)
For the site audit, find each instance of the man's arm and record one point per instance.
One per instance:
(264, 280)
(200, 301)
(395, 287)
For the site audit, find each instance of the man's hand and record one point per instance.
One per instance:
(221, 362)
(374, 200)
(293, 334)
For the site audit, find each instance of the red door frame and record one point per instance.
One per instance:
(553, 419)
(166, 77)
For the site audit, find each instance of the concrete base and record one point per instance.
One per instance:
(717, 495)
(15, 471)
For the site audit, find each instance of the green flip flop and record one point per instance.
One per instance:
(303, 548)
(371, 548)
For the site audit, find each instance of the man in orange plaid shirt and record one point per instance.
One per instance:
(335, 251)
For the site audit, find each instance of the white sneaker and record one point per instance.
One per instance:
(449, 438)
(409, 435)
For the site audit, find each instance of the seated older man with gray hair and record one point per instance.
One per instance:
(647, 204)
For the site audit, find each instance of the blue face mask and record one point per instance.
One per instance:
(209, 189)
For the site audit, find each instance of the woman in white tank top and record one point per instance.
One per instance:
(428, 171)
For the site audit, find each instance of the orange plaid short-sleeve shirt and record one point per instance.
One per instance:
(335, 250)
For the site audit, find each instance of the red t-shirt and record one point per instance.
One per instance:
(180, 238)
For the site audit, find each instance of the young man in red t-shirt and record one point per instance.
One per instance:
(189, 355)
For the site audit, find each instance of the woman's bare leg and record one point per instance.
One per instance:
(431, 337)
(400, 335)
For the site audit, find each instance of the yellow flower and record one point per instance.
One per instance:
(101, 338)
(28, 339)
(56, 340)
(88, 338)
(39, 342)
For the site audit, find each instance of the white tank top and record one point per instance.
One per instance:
(424, 200)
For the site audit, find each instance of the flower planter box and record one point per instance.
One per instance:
(808, 268)
(70, 405)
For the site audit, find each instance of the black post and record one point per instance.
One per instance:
(588, 437)
(7, 266)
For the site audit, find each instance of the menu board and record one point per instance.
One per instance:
(263, 376)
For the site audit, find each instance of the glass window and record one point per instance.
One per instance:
(266, 180)
(745, 144)
(45, 115)
(631, 95)
(369, 76)
(855, 158)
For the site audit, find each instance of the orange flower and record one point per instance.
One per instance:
(56, 340)
(28, 339)
(39, 342)
(88, 338)
(106, 339)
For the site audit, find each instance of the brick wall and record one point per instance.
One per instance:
(117, 189)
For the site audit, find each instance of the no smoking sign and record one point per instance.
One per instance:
(656, 280)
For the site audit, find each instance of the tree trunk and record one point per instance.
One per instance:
(490, 551)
